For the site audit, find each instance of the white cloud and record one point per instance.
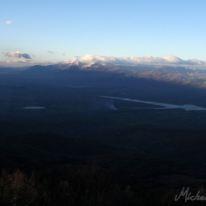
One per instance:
(8, 22)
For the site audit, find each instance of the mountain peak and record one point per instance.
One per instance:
(90, 60)
(173, 59)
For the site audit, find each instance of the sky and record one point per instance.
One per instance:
(55, 30)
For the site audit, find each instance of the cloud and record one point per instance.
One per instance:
(17, 55)
(17, 58)
(8, 22)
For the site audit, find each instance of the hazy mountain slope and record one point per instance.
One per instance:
(171, 71)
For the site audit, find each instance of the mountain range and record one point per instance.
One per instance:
(89, 60)
(165, 69)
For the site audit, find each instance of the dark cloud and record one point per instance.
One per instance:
(18, 55)
(25, 56)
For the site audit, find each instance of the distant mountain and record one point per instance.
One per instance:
(90, 60)
(176, 72)
(167, 69)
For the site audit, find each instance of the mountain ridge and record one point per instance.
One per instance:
(89, 60)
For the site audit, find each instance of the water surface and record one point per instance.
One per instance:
(186, 107)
